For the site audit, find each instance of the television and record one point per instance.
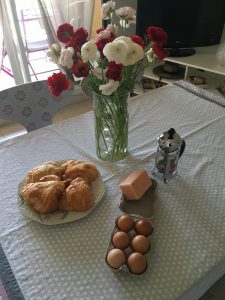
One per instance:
(189, 23)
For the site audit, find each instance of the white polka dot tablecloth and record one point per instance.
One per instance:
(67, 261)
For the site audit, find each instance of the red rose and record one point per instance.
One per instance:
(157, 35)
(160, 52)
(57, 83)
(79, 37)
(138, 40)
(114, 71)
(81, 69)
(65, 32)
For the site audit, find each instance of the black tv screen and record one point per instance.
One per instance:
(189, 23)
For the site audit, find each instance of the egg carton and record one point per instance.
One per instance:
(127, 251)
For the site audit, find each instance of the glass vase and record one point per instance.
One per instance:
(111, 125)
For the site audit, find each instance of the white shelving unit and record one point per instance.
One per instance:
(202, 63)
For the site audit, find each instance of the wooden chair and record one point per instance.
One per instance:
(31, 104)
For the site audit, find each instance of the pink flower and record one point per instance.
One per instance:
(126, 12)
(109, 88)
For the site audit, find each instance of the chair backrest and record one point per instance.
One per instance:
(31, 104)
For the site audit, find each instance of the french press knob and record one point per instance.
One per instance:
(169, 151)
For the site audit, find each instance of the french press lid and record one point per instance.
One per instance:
(170, 140)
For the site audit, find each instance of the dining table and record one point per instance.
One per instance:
(66, 261)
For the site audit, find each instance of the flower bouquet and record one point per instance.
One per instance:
(109, 65)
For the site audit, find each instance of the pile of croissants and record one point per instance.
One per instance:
(60, 186)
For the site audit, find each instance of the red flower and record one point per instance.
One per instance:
(65, 32)
(114, 71)
(101, 44)
(99, 30)
(138, 40)
(57, 83)
(160, 52)
(79, 37)
(81, 69)
(157, 35)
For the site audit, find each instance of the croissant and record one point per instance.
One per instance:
(77, 196)
(70, 162)
(43, 196)
(50, 178)
(84, 170)
(48, 168)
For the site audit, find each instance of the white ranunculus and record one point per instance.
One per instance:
(66, 58)
(126, 12)
(107, 8)
(89, 51)
(128, 41)
(136, 54)
(53, 53)
(116, 51)
(99, 72)
(110, 87)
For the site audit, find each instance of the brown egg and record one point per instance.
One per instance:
(137, 263)
(121, 240)
(115, 258)
(140, 243)
(125, 223)
(143, 227)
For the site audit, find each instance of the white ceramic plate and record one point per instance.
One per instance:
(59, 217)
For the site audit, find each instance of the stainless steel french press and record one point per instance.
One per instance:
(169, 151)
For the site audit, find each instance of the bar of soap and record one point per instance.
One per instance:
(135, 185)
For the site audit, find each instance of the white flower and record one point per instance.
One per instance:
(53, 53)
(116, 51)
(89, 51)
(134, 55)
(105, 34)
(66, 58)
(126, 12)
(128, 41)
(99, 72)
(107, 8)
(109, 88)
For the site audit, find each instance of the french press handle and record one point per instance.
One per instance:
(182, 148)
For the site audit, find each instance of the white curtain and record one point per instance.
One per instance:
(13, 43)
(53, 13)
(1, 36)
(56, 12)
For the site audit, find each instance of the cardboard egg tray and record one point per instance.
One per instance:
(127, 251)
